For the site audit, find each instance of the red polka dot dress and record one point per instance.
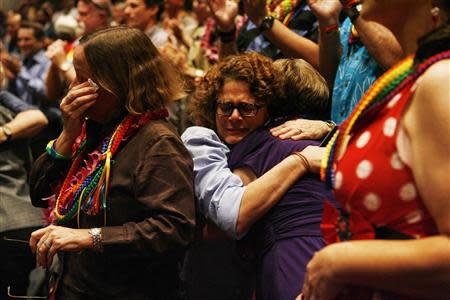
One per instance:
(372, 181)
(376, 188)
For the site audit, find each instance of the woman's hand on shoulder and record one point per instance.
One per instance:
(301, 129)
(47, 241)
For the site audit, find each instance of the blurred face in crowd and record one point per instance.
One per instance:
(140, 16)
(200, 9)
(232, 128)
(27, 42)
(13, 23)
(118, 12)
(92, 17)
(173, 5)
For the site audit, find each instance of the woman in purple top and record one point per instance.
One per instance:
(237, 99)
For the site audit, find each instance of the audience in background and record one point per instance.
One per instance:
(350, 42)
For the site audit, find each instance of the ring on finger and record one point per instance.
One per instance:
(299, 130)
(47, 244)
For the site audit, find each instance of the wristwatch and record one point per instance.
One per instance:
(354, 11)
(97, 239)
(266, 23)
(7, 132)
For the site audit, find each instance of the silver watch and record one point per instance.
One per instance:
(97, 239)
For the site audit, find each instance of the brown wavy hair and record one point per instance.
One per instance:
(125, 62)
(253, 68)
(305, 91)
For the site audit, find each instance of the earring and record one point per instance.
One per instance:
(435, 12)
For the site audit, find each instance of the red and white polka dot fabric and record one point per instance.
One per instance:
(372, 180)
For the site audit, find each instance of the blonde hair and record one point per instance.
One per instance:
(125, 62)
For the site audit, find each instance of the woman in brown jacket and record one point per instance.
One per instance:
(118, 181)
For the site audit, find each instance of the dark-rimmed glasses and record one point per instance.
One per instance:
(245, 109)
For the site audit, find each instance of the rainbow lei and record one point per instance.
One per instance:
(211, 52)
(384, 89)
(86, 186)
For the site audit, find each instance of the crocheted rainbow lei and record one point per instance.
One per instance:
(383, 90)
(85, 187)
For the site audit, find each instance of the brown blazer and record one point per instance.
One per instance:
(150, 219)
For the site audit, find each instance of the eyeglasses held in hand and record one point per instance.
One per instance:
(23, 297)
(8, 290)
(16, 240)
(245, 109)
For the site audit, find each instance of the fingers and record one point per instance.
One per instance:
(54, 247)
(35, 237)
(288, 132)
(277, 131)
(79, 89)
(78, 96)
(80, 101)
(42, 248)
(45, 245)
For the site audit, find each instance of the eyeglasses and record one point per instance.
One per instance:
(245, 109)
(9, 289)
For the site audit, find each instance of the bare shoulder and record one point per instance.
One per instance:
(437, 74)
(433, 90)
(429, 111)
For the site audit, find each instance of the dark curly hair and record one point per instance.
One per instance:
(253, 68)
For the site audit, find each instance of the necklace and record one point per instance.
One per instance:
(384, 89)
(86, 184)
(207, 40)
(282, 10)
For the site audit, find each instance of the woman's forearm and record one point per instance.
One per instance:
(262, 194)
(417, 268)
(293, 45)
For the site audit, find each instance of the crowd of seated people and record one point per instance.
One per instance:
(225, 149)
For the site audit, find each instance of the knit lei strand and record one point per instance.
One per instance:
(86, 184)
(384, 89)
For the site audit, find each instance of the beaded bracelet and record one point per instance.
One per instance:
(52, 152)
(330, 28)
(304, 159)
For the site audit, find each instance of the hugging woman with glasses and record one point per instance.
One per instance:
(238, 99)
(119, 223)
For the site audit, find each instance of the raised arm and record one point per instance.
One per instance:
(379, 41)
(327, 13)
(290, 43)
(225, 13)
(59, 66)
